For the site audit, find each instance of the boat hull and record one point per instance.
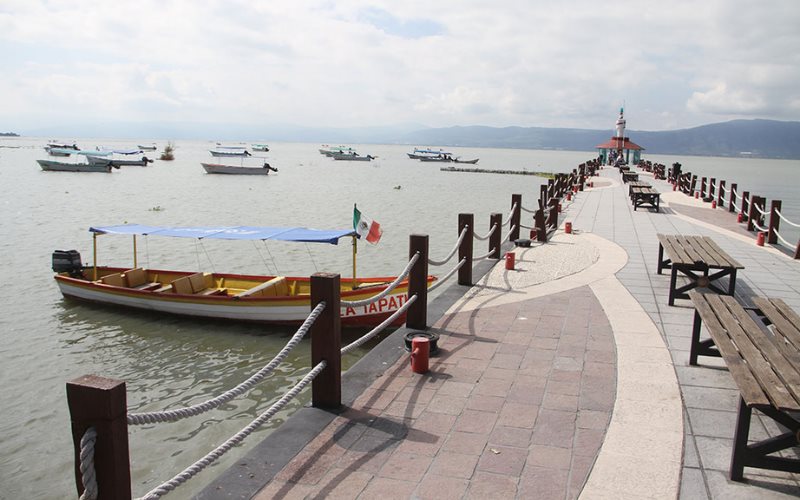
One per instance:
(229, 154)
(279, 310)
(214, 168)
(57, 166)
(351, 157)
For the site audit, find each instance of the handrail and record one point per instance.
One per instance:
(379, 328)
(453, 251)
(483, 238)
(389, 288)
(448, 275)
(784, 219)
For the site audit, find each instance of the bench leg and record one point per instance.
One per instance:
(673, 280)
(740, 441)
(660, 259)
(695, 338)
(732, 283)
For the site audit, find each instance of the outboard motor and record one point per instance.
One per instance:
(67, 261)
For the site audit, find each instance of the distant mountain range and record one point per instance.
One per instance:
(757, 138)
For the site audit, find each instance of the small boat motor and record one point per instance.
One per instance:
(67, 261)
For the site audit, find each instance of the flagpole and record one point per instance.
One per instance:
(355, 251)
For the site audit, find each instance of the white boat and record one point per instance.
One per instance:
(335, 150)
(419, 154)
(151, 147)
(229, 151)
(260, 147)
(267, 299)
(60, 166)
(215, 168)
(352, 157)
(118, 158)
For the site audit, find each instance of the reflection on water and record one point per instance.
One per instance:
(169, 362)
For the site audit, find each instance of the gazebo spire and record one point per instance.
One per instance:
(621, 123)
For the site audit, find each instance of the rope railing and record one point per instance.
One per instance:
(484, 238)
(448, 275)
(486, 256)
(453, 251)
(88, 474)
(784, 219)
(523, 226)
(211, 457)
(528, 210)
(758, 209)
(508, 236)
(781, 238)
(387, 291)
(194, 410)
(508, 219)
(760, 228)
(379, 328)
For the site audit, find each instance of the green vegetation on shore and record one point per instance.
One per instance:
(8, 134)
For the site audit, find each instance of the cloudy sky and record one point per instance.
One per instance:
(346, 63)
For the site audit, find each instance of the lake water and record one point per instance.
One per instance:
(171, 362)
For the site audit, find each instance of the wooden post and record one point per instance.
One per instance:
(543, 198)
(774, 222)
(732, 198)
(516, 199)
(101, 403)
(703, 188)
(496, 239)
(553, 214)
(541, 228)
(693, 184)
(752, 214)
(721, 195)
(465, 249)
(326, 341)
(746, 204)
(711, 192)
(417, 314)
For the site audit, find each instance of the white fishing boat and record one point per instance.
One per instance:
(60, 166)
(419, 154)
(267, 299)
(216, 168)
(326, 150)
(353, 156)
(229, 151)
(151, 147)
(119, 158)
(260, 147)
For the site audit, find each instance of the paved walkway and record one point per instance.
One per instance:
(567, 377)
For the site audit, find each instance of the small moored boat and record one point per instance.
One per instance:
(60, 166)
(229, 151)
(352, 157)
(151, 147)
(215, 168)
(266, 299)
(260, 147)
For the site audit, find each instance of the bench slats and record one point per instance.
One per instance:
(674, 251)
(748, 385)
(723, 259)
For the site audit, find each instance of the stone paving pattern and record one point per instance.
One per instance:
(565, 388)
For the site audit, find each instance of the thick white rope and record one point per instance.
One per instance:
(762, 229)
(378, 329)
(448, 275)
(781, 238)
(523, 226)
(452, 252)
(484, 238)
(388, 290)
(528, 210)
(190, 411)
(784, 219)
(204, 462)
(482, 257)
(758, 209)
(88, 475)
(508, 219)
(508, 236)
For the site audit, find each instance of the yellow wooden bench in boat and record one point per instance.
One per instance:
(115, 279)
(197, 283)
(277, 286)
(137, 279)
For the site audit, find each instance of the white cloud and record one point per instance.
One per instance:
(353, 62)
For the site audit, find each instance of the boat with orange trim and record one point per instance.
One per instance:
(255, 298)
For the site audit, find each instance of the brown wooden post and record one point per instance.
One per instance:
(417, 314)
(541, 228)
(543, 198)
(496, 239)
(752, 213)
(465, 249)
(711, 192)
(693, 185)
(732, 198)
(553, 214)
(326, 341)
(703, 188)
(774, 222)
(516, 199)
(745, 205)
(797, 250)
(101, 403)
(721, 195)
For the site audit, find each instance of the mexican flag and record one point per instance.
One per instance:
(366, 227)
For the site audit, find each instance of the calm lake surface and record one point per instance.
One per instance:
(171, 362)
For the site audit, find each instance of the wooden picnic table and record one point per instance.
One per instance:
(694, 257)
(645, 196)
(634, 184)
(762, 353)
(630, 176)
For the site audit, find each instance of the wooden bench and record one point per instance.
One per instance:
(195, 284)
(276, 286)
(136, 278)
(645, 196)
(630, 176)
(634, 184)
(764, 362)
(115, 279)
(691, 256)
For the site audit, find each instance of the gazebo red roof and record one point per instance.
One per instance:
(619, 143)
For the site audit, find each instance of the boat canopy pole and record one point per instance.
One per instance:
(94, 251)
(135, 265)
(355, 251)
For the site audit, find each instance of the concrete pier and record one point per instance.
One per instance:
(566, 377)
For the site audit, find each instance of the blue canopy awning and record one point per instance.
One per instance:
(298, 234)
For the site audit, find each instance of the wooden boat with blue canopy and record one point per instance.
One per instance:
(264, 299)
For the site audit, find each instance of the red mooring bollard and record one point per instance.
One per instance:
(568, 227)
(760, 238)
(559, 208)
(740, 218)
(697, 194)
(674, 186)
(420, 354)
(569, 195)
(511, 257)
(713, 203)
